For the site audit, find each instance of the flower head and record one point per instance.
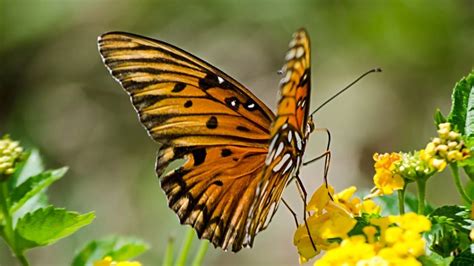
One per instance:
(387, 179)
(447, 148)
(10, 154)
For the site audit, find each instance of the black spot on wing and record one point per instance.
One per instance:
(178, 87)
(188, 103)
(199, 156)
(212, 123)
(218, 183)
(242, 128)
(226, 152)
(209, 81)
(232, 102)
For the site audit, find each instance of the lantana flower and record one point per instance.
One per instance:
(331, 219)
(387, 179)
(399, 242)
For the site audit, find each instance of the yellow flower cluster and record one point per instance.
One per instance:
(10, 153)
(392, 240)
(386, 178)
(108, 261)
(393, 170)
(330, 219)
(448, 147)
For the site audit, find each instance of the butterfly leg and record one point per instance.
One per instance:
(291, 210)
(327, 158)
(304, 195)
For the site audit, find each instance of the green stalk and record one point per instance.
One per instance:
(421, 187)
(8, 229)
(183, 254)
(458, 183)
(168, 260)
(401, 200)
(201, 253)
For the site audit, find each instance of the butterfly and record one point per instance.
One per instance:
(236, 155)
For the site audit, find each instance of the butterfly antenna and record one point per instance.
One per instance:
(347, 87)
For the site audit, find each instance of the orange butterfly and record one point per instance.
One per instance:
(238, 155)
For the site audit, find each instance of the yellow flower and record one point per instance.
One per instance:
(351, 251)
(386, 178)
(107, 261)
(330, 219)
(320, 199)
(412, 222)
(356, 206)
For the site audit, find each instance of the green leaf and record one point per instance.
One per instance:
(462, 109)
(47, 225)
(450, 229)
(465, 258)
(33, 186)
(117, 247)
(439, 117)
(33, 166)
(435, 260)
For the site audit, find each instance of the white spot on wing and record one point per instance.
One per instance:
(269, 158)
(279, 149)
(220, 80)
(270, 148)
(290, 136)
(299, 144)
(299, 52)
(280, 164)
(284, 126)
(288, 166)
(290, 54)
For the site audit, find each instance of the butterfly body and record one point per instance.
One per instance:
(238, 156)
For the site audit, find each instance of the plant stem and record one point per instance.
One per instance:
(168, 260)
(8, 229)
(201, 253)
(421, 186)
(183, 254)
(457, 181)
(401, 200)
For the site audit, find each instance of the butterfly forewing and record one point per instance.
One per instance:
(288, 131)
(178, 96)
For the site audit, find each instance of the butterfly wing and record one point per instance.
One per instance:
(288, 132)
(216, 127)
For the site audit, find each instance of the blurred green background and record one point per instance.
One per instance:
(55, 94)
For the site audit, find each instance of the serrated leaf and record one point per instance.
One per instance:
(465, 258)
(462, 109)
(458, 216)
(439, 117)
(32, 186)
(435, 260)
(117, 247)
(47, 225)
